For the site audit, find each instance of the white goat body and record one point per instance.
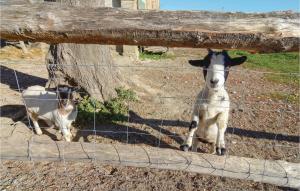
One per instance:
(211, 111)
(43, 104)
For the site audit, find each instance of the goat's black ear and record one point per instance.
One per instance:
(198, 63)
(210, 51)
(237, 61)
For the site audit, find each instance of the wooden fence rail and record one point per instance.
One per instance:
(56, 23)
(280, 173)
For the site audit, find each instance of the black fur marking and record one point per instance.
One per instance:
(223, 151)
(193, 125)
(184, 147)
(220, 151)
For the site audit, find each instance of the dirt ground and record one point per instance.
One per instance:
(259, 126)
(92, 176)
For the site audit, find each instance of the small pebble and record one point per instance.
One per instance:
(241, 109)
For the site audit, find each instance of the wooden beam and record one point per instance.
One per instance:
(277, 172)
(56, 23)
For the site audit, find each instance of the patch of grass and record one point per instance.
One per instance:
(155, 56)
(111, 111)
(274, 62)
(290, 98)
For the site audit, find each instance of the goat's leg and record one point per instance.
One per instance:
(195, 143)
(49, 123)
(212, 148)
(69, 128)
(34, 120)
(222, 125)
(66, 133)
(189, 140)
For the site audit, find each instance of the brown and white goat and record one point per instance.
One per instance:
(54, 107)
(211, 111)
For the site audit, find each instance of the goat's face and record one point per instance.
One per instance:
(216, 67)
(68, 97)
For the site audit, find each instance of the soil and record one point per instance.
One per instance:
(93, 176)
(259, 126)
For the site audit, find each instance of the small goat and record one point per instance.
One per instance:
(55, 108)
(211, 110)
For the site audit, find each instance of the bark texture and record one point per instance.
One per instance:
(89, 66)
(56, 23)
(275, 172)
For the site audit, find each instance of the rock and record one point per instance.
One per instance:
(156, 49)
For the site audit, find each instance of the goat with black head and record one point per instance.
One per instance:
(211, 111)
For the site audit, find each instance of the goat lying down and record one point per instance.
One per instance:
(55, 108)
(211, 111)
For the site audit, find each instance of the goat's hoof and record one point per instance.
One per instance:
(38, 132)
(68, 138)
(220, 151)
(185, 148)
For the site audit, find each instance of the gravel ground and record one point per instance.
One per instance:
(92, 176)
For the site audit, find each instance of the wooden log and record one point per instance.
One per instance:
(277, 172)
(56, 23)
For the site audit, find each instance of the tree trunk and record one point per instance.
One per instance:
(88, 66)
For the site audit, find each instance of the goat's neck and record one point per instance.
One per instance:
(213, 95)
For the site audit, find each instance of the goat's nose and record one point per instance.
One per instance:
(214, 81)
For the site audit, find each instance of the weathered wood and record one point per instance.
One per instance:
(55, 23)
(277, 172)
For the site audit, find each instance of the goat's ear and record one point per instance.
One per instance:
(237, 61)
(198, 63)
(210, 51)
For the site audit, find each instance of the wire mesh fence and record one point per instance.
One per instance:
(262, 125)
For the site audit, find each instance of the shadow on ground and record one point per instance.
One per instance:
(8, 77)
(130, 134)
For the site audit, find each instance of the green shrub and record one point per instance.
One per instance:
(155, 56)
(114, 110)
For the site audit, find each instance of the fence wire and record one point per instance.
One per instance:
(163, 132)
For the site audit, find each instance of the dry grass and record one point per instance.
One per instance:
(13, 53)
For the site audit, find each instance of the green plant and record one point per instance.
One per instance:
(114, 110)
(289, 98)
(155, 56)
(279, 64)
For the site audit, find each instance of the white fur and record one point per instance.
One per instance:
(211, 110)
(42, 104)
